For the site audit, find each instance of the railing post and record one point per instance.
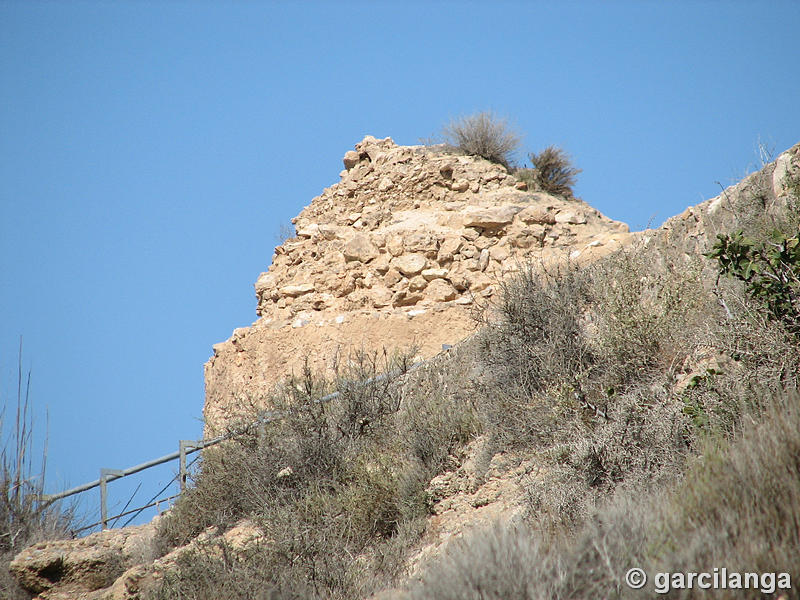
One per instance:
(104, 474)
(184, 446)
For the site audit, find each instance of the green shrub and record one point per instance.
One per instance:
(770, 270)
(551, 172)
(483, 134)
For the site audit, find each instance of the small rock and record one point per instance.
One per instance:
(350, 160)
(570, 217)
(360, 248)
(483, 260)
(484, 242)
(430, 274)
(392, 277)
(491, 218)
(532, 214)
(410, 264)
(395, 245)
(381, 264)
(381, 296)
(448, 248)
(308, 231)
(460, 185)
(440, 290)
(327, 231)
(263, 283)
(385, 185)
(470, 234)
(297, 290)
(477, 281)
(417, 283)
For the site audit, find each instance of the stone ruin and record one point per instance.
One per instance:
(395, 255)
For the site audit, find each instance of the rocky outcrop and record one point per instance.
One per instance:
(394, 255)
(87, 567)
(115, 564)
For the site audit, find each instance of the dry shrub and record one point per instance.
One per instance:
(533, 345)
(646, 319)
(642, 443)
(551, 172)
(483, 134)
(336, 487)
(738, 507)
(565, 340)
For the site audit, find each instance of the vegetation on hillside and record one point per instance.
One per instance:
(662, 406)
(337, 488)
(671, 433)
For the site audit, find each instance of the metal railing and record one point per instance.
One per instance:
(186, 447)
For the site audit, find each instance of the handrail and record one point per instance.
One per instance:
(187, 447)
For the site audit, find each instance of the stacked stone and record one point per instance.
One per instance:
(414, 225)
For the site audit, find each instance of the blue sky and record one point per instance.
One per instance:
(150, 151)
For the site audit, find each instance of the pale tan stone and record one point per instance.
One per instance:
(360, 248)
(381, 296)
(392, 277)
(437, 273)
(395, 245)
(483, 260)
(417, 283)
(534, 214)
(470, 234)
(381, 263)
(571, 217)
(409, 264)
(448, 248)
(460, 185)
(440, 290)
(491, 218)
(297, 289)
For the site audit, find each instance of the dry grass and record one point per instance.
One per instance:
(23, 520)
(483, 134)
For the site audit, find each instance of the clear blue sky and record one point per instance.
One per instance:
(150, 151)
